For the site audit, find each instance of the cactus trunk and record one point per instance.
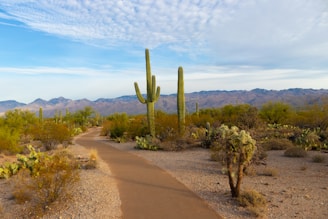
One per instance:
(152, 95)
(40, 115)
(181, 102)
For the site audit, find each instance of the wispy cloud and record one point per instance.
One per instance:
(233, 31)
(46, 71)
(148, 23)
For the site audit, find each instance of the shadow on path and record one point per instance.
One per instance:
(146, 191)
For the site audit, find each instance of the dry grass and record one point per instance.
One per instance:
(295, 152)
(318, 158)
(93, 160)
(53, 180)
(277, 144)
(254, 202)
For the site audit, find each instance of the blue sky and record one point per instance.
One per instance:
(95, 48)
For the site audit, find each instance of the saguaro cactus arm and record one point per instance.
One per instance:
(138, 93)
(155, 95)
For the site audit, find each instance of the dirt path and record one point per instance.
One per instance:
(146, 191)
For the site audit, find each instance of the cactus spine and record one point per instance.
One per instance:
(152, 95)
(181, 102)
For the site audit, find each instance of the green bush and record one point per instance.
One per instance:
(295, 152)
(9, 141)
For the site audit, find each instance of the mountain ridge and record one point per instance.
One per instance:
(296, 97)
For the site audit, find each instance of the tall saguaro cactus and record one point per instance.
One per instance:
(152, 95)
(181, 102)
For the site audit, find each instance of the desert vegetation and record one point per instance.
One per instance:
(44, 171)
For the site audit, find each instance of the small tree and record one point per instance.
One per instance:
(275, 113)
(238, 148)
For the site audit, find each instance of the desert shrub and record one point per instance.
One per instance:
(138, 126)
(9, 141)
(52, 178)
(277, 144)
(53, 134)
(275, 112)
(318, 158)
(147, 143)
(295, 152)
(166, 126)
(92, 161)
(250, 171)
(118, 125)
(21, 191)
(242, 115)
(308, 139)
(254, 202)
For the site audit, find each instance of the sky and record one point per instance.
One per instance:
(96, 48)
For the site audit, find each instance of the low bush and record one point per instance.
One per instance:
(277, 144)
(9, 141)
(318, 158)
(295, 152)
(254, 202)
(51, 178)
(93, 160)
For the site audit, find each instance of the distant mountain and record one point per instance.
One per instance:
(296, 97)
(9, 104)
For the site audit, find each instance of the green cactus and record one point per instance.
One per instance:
(197, 109)
(40, 115)
(181, 102)
(152, 95)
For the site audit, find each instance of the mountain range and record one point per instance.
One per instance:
(296, 97)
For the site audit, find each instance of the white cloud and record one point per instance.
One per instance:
(148, 23)
(284, 33)
(256, 32)
(45, 71)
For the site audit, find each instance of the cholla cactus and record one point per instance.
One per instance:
(239, 148)
(152, 95)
